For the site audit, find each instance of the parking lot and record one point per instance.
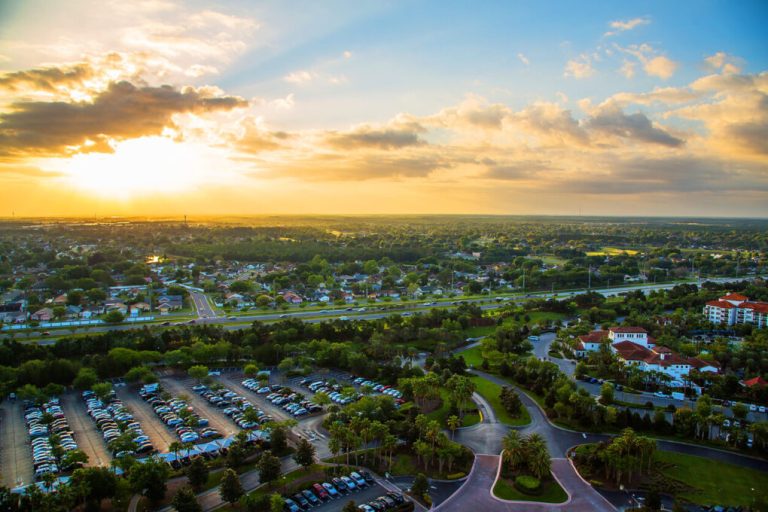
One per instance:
(360, 496)
(160, 435)
(234, 382)
(88, 437)
(216, 419)
(14, 451)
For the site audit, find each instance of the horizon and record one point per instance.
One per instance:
(173, 107)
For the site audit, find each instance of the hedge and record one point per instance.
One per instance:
(527, 484)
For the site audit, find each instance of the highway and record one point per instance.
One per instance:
(207, 315)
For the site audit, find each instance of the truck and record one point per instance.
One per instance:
(677, 395)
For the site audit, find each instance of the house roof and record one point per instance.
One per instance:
(734, 296)
(755, 381)
(628, 329)
(593, 337)
(720, 304)
(630, 351)
(760, 307)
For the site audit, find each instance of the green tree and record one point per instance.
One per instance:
(102, 390)
(114, 317)
(276, 503)
(250, 370)
(269, 467)
(231, 489)
(278, 440)
(86, 377)
(350, 506)
(197, 473)
(186, 501)
(150, 478)
(420, 485)
(198, 372)
(97, 484)
(305, 454)
(606, 393)
(453, 422)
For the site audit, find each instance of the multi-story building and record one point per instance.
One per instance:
(735, 308)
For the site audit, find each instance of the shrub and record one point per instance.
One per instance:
(455, 476)
(527, 484)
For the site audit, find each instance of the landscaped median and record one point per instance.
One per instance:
(518, 486)
(491, 392)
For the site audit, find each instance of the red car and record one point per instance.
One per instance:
(321, 492)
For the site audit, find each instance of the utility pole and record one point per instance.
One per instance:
(589, 277)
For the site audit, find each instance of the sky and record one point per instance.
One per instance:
(168, 107)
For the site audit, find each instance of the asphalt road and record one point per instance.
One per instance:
(159, 434)
(15, 450)
(208, 315)
(202, 304)
(87, 435)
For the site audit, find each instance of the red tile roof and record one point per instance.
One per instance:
(720, 304)
(734, 296)
(756, 381)
(760, 307)
(593, 337)
(628, 330)
(630, 351)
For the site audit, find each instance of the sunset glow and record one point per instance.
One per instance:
(383, 108)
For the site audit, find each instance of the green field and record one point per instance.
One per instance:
(713, 482)
(612, 251)
(551, 492)
(491, 391)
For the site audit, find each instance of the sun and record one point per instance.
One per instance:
(140, 167)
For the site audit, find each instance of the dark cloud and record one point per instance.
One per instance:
(47, 79)
(613, 121)
(671, 175)
(515, 170)
(123, 111)
(334, 167)
(366, 137)
(752, 136)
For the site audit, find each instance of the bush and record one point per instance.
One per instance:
(455, 476)
(527, 484)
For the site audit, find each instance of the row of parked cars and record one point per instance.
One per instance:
(332, 390)
(379, 388)
(233, 406)
(113, 419)
(51, 435)
(320, 492)
(178, 415)
(291, 402)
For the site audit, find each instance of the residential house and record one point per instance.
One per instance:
(42, 315)
(13, 313)
(292, 297)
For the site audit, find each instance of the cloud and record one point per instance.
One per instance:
(347, 54)
(580, 67)
(513, 171)
(299, 77)
(47, 79)
(727, 64)
(368, 137)
(620, 26)
(627, 69)
(523, 59)
(121, 112)
(661, 67)
(339, 167)
(611, 120)
(473, 112)
(653, 64)
(552, 124)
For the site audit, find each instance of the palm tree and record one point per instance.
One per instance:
(175, 447)
(453, 424)
(514, 452)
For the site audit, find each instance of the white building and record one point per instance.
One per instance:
(735, 308)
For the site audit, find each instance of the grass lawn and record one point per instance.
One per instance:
(441, 414)
(472, 356)
(612, 251)
(476, 332)
(551, 492)
(716, 483)
(491, 391)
